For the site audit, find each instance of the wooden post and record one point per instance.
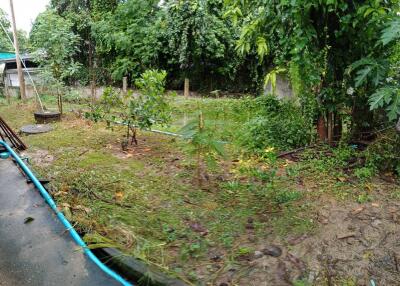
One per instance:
(398, 126)
(92, 73)
(199, 153)
(124, 84)
(19, 66)
(7, 92)
(186, 88)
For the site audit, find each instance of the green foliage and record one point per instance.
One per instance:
(201, 137)
(141, 110)
(391, 32)
(369, 71)
(330, 46)
(199, 40)
(5, 44)
(383, 154)
(271, 78)
(131, 32)
(151, 106)
(387, 96)
(276, 124)
(202, 144)
(55, 46)
(286, 196)
(5, 36)
(364, 173)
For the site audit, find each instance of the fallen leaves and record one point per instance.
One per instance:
(118, 196)
(357, 210)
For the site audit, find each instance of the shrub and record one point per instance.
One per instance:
(136, 111)
(383, 154)
(276, 124)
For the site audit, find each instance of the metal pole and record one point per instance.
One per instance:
(17, 57)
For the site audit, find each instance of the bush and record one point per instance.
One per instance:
(276, 124)
(383, 154)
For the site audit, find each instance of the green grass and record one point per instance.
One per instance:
(146, 201)
(226, 116)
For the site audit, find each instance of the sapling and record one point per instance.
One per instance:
(136, 111)
(203, 145)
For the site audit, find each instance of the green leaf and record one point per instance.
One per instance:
(391, 32)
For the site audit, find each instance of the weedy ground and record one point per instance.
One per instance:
(333, 225)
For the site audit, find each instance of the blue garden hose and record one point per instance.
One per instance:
(61, 217)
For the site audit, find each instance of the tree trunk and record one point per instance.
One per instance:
(134, 134)
(321, 129)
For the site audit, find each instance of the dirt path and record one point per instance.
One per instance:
(354, 245)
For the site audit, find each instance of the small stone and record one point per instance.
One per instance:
(258, 254)
(272, 250)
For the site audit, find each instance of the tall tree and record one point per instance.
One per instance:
(56, 46)
(331, 48)
(200, 42)
(130, 33)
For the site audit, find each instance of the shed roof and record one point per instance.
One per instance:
(6, 56)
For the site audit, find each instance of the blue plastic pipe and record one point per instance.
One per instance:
(62, 218)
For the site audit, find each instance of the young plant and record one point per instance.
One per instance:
(202, 145)
(136, 111)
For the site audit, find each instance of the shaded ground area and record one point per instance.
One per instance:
(35, 249)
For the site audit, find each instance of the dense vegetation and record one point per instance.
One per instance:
(341, 56)
(251, 167)
(6, 35)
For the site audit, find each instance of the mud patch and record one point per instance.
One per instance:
(356, 243)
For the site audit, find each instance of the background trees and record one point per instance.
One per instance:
(185, 38)
(336, 45)
(200, 43)
(128, 38)
(5, 44)
(341, 56)
(56, 46)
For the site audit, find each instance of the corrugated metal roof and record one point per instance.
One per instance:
(6, 56)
